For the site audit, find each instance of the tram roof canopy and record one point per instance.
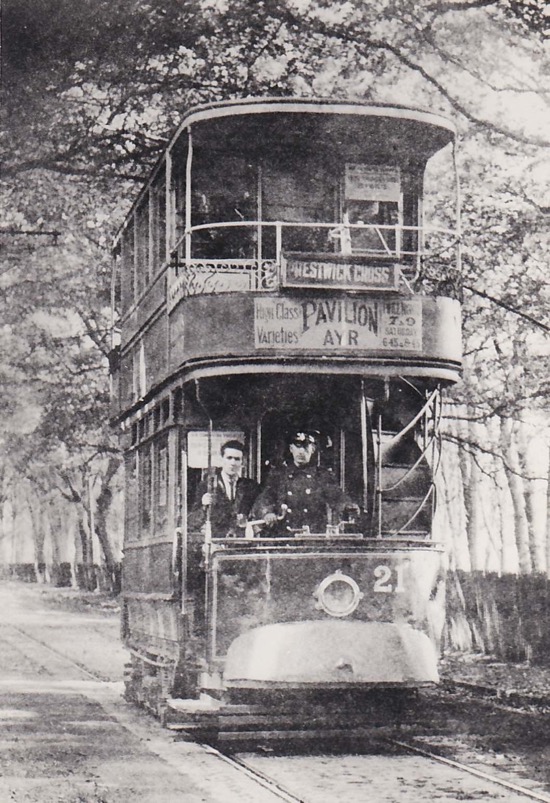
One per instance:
(255, 125)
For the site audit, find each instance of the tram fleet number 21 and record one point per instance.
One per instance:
(389, 580)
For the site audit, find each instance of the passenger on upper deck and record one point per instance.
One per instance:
(308, 490)
(227, 494)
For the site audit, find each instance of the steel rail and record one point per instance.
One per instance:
(502, 699)
(471, 771)
(261, 778)
(58, 654)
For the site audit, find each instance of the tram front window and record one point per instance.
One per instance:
(299, 193)
(224, 497)
(376, 216)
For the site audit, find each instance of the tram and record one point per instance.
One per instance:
(276, 273)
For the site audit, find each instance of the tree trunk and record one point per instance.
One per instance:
(548, 519)
(103, 504)
(471, 477)
(537, 540)
(515, 485)
(38, 534)
(85, 577)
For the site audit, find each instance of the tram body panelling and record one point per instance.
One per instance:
(269, 627)
(221, 326)
(236, 336)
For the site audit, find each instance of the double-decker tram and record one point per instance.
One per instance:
(277, 389)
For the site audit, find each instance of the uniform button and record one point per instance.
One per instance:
(305, 510)
(308, 490)
(308, 476)
(289, 493)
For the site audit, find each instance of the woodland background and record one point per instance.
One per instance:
(91, 92)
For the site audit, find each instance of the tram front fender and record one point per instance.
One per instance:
(331, 653)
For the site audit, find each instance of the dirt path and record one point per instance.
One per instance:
(69, 738)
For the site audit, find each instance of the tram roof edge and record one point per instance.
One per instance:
(268, 105)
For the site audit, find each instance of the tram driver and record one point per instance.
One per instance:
(305, 488)
(227, 495)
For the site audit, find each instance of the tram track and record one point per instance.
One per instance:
(261, 778)
(273, 779)
(465, 768)
(392, 771)
(57, 654)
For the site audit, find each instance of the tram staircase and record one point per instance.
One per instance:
(405, 493)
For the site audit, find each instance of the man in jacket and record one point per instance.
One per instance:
(308, 491)
(227, 494)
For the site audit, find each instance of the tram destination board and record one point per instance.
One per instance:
(310, 270)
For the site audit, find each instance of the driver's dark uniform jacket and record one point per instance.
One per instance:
(308, 491)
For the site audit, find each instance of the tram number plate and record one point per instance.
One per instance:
(389, 579)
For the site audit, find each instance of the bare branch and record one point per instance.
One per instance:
(474, 448)
(365, 44)
(508, 307)
(461, 5)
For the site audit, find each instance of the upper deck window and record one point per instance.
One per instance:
(157, 205)
(303, 192)
(128, 267)
(372, 195)
(223, 191)
(143, 270)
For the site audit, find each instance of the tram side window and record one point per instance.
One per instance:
(161, 483)
(142, 245)
(145, 487)
(128, 267)
(412, 194)
(223, 192)
(131, 512)
(178, 192)
(158, 221)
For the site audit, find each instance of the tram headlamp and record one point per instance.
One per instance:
(337, 594)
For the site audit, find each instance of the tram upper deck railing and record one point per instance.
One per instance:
(273, 254)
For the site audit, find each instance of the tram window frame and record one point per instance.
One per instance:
(132, 521)
(212, 203)
(142, 244)
(157, 221)
(145, 485)
(128, 268)
(412, 187)
(161, 480)
(312, 189)
(148, 464)
(372, 207)
(139, 372)
(178, 186)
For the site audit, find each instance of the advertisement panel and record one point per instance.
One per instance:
(338, 325)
